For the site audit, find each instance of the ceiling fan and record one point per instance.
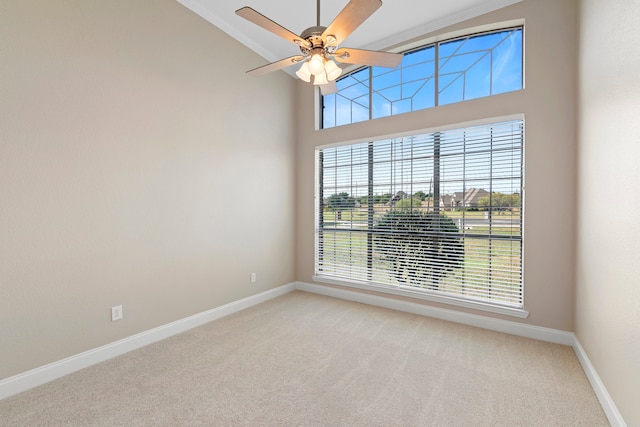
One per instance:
(319, 45)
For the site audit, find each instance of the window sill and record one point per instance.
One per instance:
(451, 300)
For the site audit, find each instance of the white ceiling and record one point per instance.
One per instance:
(395, 22)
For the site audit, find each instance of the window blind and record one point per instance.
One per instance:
(437, 213)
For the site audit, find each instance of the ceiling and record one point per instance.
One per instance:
(395, 22)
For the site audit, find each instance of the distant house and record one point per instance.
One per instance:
(468, 199)
(447, 202)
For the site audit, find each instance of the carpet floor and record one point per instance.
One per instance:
(309, 360)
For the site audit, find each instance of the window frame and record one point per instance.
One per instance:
(450, 299)
(424, 44)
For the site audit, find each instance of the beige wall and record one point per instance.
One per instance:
(138, 166)
(608, 260)
(549, 105)
(134, 151)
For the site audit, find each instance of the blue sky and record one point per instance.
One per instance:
(469, 67)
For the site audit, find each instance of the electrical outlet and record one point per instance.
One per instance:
(116, 313)
(253, 278)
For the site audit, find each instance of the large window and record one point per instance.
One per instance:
(440, 73)
(437, 215)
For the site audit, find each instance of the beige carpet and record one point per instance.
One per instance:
(309, 360)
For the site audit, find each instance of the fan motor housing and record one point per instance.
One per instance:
(314, 35)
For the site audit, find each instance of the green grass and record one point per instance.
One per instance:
(348, 250)
(490, 264)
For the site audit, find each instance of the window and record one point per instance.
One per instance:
(437, 74)
(436, 215)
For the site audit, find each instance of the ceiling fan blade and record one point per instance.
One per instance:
(368, 57)
(259, 19)
(350, 18)
(278, 65)
(329, 88)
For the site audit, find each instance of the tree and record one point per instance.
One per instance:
(340, 202)
(499, 201)
(419, 246)
(408, 203)
(382, 199)
(420, 195)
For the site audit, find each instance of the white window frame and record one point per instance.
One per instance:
(424, 42)
(451, 299)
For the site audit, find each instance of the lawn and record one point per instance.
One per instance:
(490, 270)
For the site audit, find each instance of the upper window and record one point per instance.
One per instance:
(441, 73)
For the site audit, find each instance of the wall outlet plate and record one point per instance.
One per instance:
(116, 313)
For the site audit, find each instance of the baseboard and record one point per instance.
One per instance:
(35, 377)
(609, 407)
(499, 325)
(514, 328)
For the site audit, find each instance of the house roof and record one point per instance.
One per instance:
(468, 198)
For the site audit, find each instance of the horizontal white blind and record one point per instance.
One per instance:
(436, 213)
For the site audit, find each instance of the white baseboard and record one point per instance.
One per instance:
(499, 325)
(514, 328)
(609, 407)
(38, 376)
(35, 377)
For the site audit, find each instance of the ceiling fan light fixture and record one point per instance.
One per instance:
(332, 70)
(320, 79)
(303, 73)
(319, 45)
(316, 64)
